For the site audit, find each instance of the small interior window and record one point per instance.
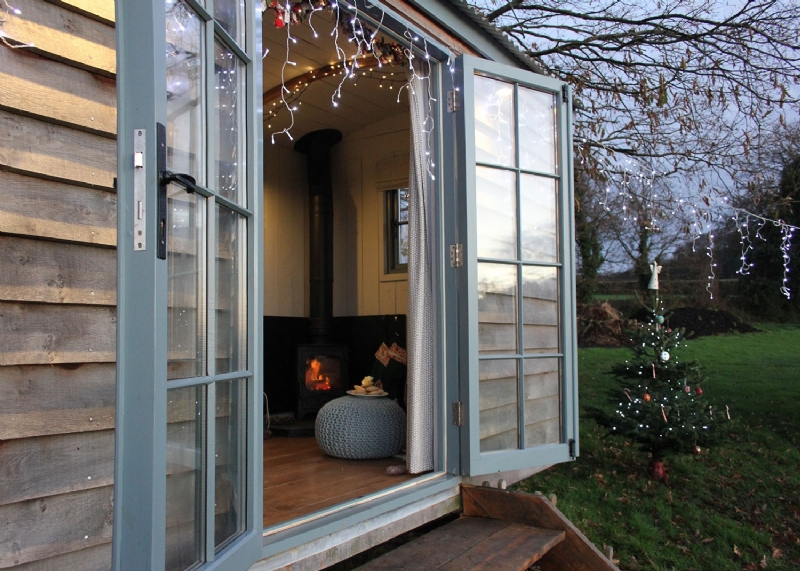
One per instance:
(397, 231)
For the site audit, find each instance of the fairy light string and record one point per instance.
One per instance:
(711, 264)
(619, 193)
(5, 39)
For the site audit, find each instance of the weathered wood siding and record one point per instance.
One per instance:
(57, 284)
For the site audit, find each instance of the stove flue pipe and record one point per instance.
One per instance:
(317, 148)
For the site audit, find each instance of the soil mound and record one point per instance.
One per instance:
(600, 325)
(700, 322)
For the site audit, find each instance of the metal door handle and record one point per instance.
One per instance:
(188, 182)
(165, 177)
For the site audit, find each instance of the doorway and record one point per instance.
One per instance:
(319, 78)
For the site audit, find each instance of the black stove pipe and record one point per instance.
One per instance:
(317, 148)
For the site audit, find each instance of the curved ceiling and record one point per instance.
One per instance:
(314, 77)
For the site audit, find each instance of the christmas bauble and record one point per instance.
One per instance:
(279, 22)
(664, 356)
(698, 391)
(647, 397)
(660, 319)
(697, 451)
(687, 389)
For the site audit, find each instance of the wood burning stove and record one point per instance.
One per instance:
(322, 365)
(321, 376)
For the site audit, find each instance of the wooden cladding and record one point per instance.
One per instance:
(42, 400)
(57, 285)
(40, 87)
(58, 33)
(55, 525)
(57, 273)
(52, 334)
(45, 209)
(45, 150)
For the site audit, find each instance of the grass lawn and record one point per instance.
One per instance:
(736, 506)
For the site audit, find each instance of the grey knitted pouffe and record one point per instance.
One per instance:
(360, 428)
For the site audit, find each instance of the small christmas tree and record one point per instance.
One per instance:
(662, 405)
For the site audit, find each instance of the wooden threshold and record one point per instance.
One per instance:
(300, 479)
(471, 544)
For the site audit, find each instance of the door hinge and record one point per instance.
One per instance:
(572, 448)
(453, 101)
(565, 93)
(458, 413)
(456, 255)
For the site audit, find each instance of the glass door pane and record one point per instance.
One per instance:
(231, 304)
(498, 405)
(231, 457)
(186, 457)
(185, 284)
(229, 164)
(185, 79)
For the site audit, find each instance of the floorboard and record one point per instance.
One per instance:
(300, 479)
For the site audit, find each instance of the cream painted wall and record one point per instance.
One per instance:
(366, 164)
(285, 233)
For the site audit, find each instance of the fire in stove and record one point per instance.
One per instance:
(322, 373)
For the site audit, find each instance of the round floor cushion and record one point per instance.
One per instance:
(360, 428)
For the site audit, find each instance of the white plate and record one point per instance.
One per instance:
(355, 394)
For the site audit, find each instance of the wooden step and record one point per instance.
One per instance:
(471, 544)
(575, 553)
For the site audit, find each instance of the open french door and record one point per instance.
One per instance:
(518, 372)
(189, 420)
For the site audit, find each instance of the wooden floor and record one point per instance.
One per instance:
(300, 479)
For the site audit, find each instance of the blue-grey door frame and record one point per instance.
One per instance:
(141, 419)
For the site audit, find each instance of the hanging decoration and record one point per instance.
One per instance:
(703, 211)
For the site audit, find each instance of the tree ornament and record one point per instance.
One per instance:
(654, 269)
(697, 450)
(664, 356)
(687, 389)
(660, 319)
(698, 391)
(279, 21)
(647, 397)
